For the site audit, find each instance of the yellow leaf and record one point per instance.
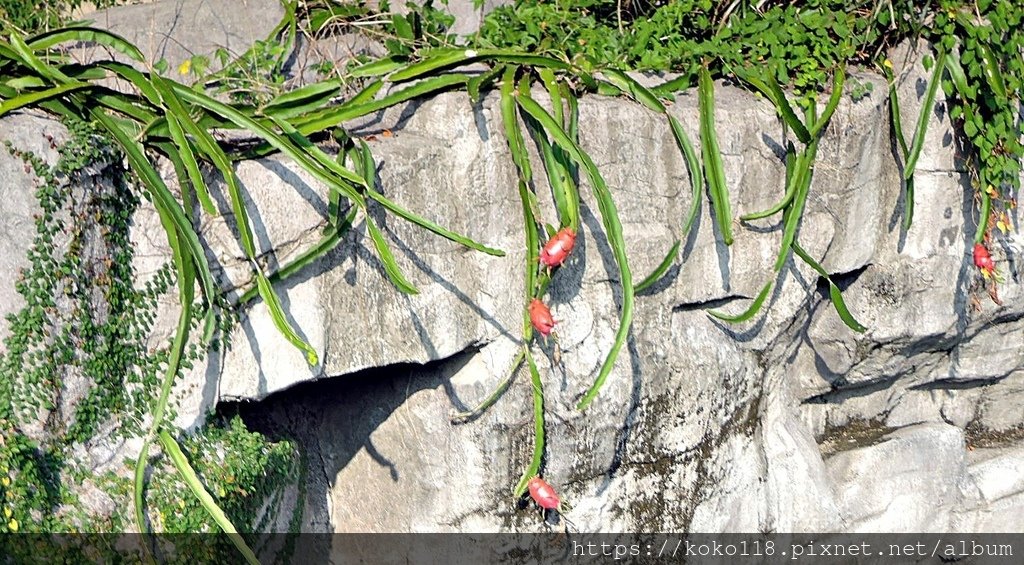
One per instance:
(13, 525)
(1001, 226)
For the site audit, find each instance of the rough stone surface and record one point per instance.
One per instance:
(18, 203)
(175, 30)
(789, 423)
(922, 488)
(702, 426)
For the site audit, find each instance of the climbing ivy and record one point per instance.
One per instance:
(77, 364)
(984, 86)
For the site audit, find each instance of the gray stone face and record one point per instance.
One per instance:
(175, 30)
(922, 487)
(702, 426)
(790, 422)
(18, 203)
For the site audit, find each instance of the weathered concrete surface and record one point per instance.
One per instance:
(702, 426)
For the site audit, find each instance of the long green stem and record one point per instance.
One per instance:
(538, 426)
(181, 463)
(185, 286)
(712, 156)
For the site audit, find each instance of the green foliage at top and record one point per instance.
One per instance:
(984, 83)
(804, 41)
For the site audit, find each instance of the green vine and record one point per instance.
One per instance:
(76, 364)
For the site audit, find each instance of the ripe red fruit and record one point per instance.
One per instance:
(558, 247)
(982, 259)
(543, 494)
(540, 317)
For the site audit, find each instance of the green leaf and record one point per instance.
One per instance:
(366, 94)
(677, 84)
(330, 117)
(277, 315)
(419, 220)
(186, 157)
(612, 227)
(791, 189)
(755, 80)
(521, 159)
(481, 81)
(634, 89)
(986, 210)
(786, 111)
(208, 146)
(367, 183)
(377, 68)
(316, 166)
(402, 27)
(329, 241)
(834, 293)
(162, 199)
(990, 68)
(538, 426)
(138, 79)
(749, 312)
(925, 116)
(302, 100)
(802, 174)
(547, 76)
(324, 160)
(956, 73)
(195, 484)
(513, 134)
(463, 417)
(32, 98)
(322, 16)
(436, 60)
(445, 58)
(29, 59)
(563, 189)
(388, 259)
(838, 79)
(25, 83)
(86, 34)
(660, 270)
(183, 263)
(693, 166)
(917, 143)
(712, 157)
(894, 113)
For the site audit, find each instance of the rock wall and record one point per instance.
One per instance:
(789, 423)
